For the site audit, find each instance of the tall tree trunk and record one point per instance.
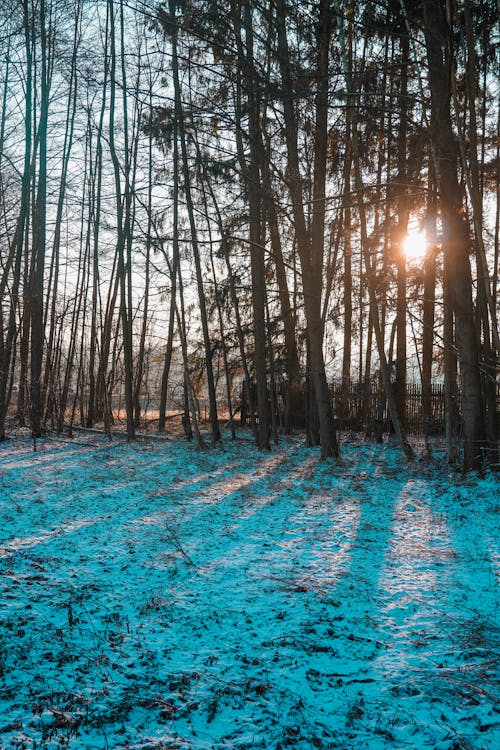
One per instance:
(311, 249)
(81, 294)
(140, 368)
(488, 340)
(468, 149)
(39, 229)
(17, 243)
(347, 278)
(103, 395)
(429, 310)
(53, 281)
(95, 384)
(440, 58)
(257, 262)
(220, 317)
(272, 381)
(123, 216)
(179, 115)
(403, 212)
(162, 411)
(450, 366)
(190, 425)
(23, 400)
(251, 171)
(347, 295)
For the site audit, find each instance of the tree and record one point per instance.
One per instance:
(123, 212)
(170, 23)
(39, 224)
(310, 246)
(438, 36)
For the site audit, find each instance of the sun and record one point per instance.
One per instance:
(415, 246)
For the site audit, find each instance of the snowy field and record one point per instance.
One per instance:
(154, 596)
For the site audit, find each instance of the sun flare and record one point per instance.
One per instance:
(415, 245)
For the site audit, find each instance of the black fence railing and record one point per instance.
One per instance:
(360, 406)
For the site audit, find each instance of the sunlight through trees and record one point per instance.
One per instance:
(283, 213)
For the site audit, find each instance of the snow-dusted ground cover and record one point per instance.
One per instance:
(156, 597)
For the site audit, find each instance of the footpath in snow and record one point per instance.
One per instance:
(154, 596)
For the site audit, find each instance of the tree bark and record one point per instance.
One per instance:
(403, 212)
(39, 230)
(310, 248)
(438, 40)
(214, 421)
(17, 243)
(123, 219)
(429, 310)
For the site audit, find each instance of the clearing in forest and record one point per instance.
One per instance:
(155, 596)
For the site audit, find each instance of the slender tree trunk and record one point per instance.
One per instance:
(429, 311)
(202, 175)
(179, 115)
(81, 295)
(53, 282)
(450, 366)
(17, 243)
(103, 395)
(139, 375)
(403, 212)
(251, 171)
(272, 384)
(94, 401)
(347, 277)
(347, 299)
(25, 328)
(366, 381)
(123, 215)
(190, 425)
(39, 230)
(170, 342)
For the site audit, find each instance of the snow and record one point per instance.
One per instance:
(156, 596)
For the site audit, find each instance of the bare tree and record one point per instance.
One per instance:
(310, 246)
(440, 60)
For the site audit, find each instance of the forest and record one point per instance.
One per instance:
(259, 210)
(249, 375)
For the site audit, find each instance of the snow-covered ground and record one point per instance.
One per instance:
(154, 596)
